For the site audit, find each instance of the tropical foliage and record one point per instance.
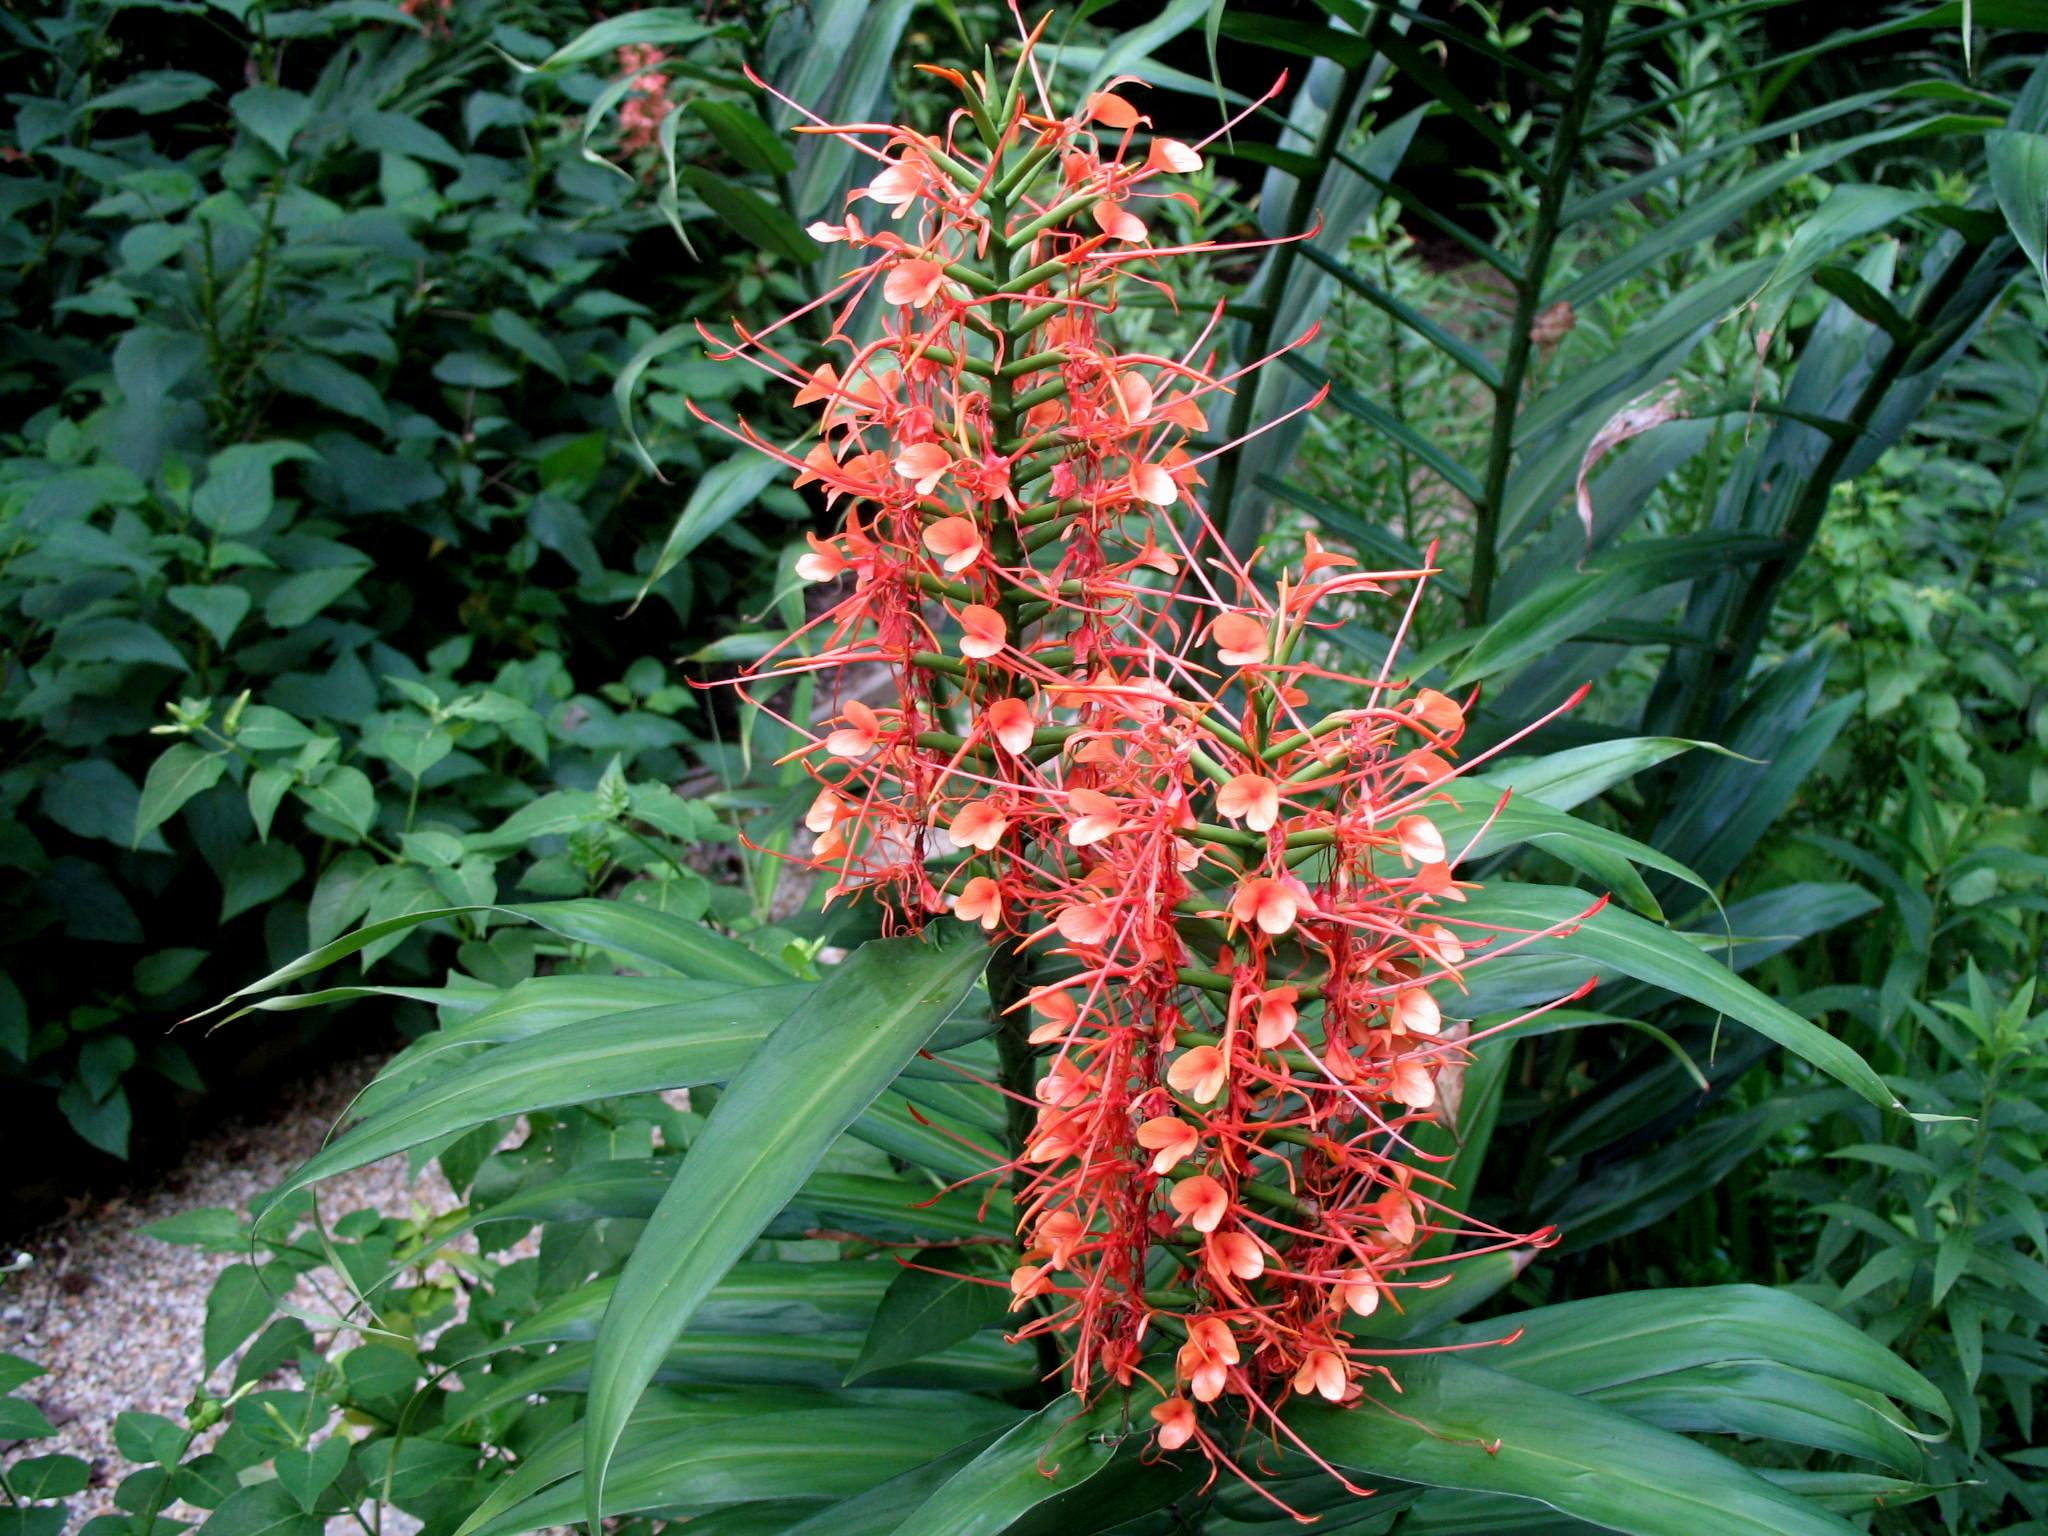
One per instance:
(1434, 875)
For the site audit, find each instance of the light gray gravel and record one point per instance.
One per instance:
(116, 1317)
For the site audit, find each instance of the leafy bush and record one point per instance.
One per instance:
(313, 381)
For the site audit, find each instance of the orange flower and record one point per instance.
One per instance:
(1010, 722)
(1272, 904)
(1112, 111)
(924, 465)
(1172, 155)
(1199, 1073)
(1277, 1017)
(913, 282)
(1201, 1202)
(1416, 1012)
(857, 737)
(978, 825)
(981, 901)
(1176, 1420)
(1241, 639)
(1151, 483)
(1419, 839)
(1232, 1255)
(1170, 1139)
(1251, 798)
(1099, 817)
(955, 540)
(1083, 922)
(983, 631)
(1322, 1372)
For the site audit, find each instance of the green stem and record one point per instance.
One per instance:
(1507, 397)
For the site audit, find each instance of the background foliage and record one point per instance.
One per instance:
(335, 377)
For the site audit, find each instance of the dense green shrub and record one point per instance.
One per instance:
(318, 517)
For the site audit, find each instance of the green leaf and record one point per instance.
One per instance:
(16, 1372)
(275, 116)
(305, 1475)
(319, 378)
(48, 1477)
(1575, 775)
(343, 796)
(1618, 941)
(1573, 602)
(740, 133)
(1607, 1341)
(105, 1122)
(183, 771)
(214, 1228)
(645, 1051)
(1458, 1425)
(263, 1509)
(939, 1300)
(521, 335)
(823, 1065)
(2019, 180)
(751, 216)
(149, 1439)
(395, 133)
(1056, 1450)
(238, 493)
(238, 1305)
(666, 27)
(258, 873)
(218, 608)
(721, 494)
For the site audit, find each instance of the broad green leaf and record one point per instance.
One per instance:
(1057, 1449)
(665, 27)
(624, 927)
(1612, 941)
(1606, 1341)
(940, 1298)
(239, 1303)
(183, 771)
(741, 134)
(1573, 602)
(751, 216)
(1455, 1424)
(727, 489)
(811, 1078)
(274, 115)
(829, 1453)
(675, 1046)
(2019, 180)
(1575, 775)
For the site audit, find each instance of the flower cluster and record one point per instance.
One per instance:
(647, 100)
(1225, 914)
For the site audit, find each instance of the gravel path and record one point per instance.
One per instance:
(117, 1317)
